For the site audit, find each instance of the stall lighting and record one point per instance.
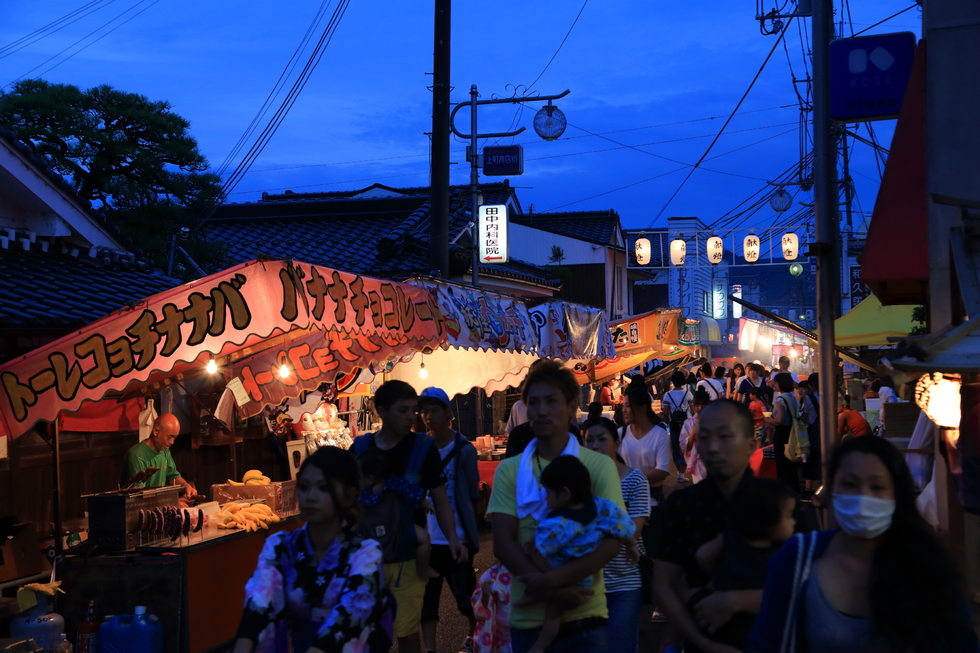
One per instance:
(284, 371)
(791, 246)
(751, 248)
(938, 395)
(793, 353)
(714, 250)
(423, 373)
(642, 249)
(678, 251)
(211, 367)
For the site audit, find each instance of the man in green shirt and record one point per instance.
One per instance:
(518, 504)
(155, 452)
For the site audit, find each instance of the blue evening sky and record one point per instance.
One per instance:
(655, 79)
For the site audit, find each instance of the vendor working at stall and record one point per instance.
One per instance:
(155, 452)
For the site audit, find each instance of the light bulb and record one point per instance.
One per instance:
(211, 367)
(423, 373)
(284, 371)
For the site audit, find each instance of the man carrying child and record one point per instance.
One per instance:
(518, 504)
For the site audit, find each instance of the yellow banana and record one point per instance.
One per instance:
(231, 482)
(252, 473)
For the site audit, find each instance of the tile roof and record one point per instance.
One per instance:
(51, 290)
(381, 231)
(597, 227)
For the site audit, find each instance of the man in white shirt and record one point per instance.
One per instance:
(713, 386)
(784, 369)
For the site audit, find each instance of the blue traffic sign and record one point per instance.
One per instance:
(502, 160)
(868, 76)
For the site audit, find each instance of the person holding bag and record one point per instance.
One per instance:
(786, 410)
(883, 582)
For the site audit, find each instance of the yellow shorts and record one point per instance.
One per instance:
(409, 590)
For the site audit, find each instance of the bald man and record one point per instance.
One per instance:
(155, 452)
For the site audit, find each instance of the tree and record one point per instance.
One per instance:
(129, 156)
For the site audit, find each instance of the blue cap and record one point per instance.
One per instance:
(436, 393)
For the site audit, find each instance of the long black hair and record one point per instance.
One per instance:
(638, 397)
(568, 471)
(915, 588)
(340, 469)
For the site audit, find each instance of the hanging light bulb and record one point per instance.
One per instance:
(678, 251)
(423, 373)
(642, 249)
(938, 395)
(284, 371)
(714, 250)
(211, 367)
(751, 248)
(791, 246)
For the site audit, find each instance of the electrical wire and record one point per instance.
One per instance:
(885, 20)
(722, 130)
(51, 28)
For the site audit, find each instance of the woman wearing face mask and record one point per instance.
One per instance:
(883, 582)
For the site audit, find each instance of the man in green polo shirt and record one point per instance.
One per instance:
(155, 452)
(518, 504)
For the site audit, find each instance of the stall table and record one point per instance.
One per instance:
(487, 469)
(197, 591)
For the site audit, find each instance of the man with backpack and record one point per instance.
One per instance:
(463, 489)
(413, 458)
(676, 405)
(713, 384)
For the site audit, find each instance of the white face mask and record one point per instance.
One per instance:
(862, 516)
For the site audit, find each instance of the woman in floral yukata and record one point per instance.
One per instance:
(321, 587)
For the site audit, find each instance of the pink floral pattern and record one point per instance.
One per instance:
(344, 592)
(491, 606)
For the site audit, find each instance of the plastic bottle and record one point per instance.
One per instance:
(87, 639)
(64, 646)
(136, 633)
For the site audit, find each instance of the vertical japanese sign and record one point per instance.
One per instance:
(493, 234)
(859, 291)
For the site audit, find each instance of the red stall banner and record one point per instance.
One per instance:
(237, 311)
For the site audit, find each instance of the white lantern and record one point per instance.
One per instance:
(938, 395)
(791, 246)
(678, 251)
(642, 250)
(714, 250)
(751, 248)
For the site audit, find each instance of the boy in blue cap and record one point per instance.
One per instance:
(462, 486)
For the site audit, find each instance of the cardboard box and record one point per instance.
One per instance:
(280, 496)
(21, 555)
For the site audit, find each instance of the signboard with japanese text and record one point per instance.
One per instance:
(228, 316)
(859, 291)
(493, 234)
(868, 76)
(650, 332)
(503, 160)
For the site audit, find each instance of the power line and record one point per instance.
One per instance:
(721, 131)
(52, 27)
(885, 20)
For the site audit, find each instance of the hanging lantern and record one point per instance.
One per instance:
(751, 248)
(642, 249)
(791, 246)
(678, 251)
(714, 250)
(781, 200)
(938, 395)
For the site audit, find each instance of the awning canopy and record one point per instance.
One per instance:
(869, 323)
(895, 262)
(710, 331)
(283, 327)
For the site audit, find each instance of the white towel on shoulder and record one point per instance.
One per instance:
(530, 493)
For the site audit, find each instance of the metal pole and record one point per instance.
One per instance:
(825, 211)
(56, 499)
(474, 188)
(439, 227)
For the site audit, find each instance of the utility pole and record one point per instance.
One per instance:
(825, 210)
(475, 194)
(439, 226)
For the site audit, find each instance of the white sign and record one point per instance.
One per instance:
(493, 234)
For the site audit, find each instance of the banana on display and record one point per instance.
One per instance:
(252, 477)
(244, 516)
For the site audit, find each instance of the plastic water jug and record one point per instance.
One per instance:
(40, 624)
(131, 633)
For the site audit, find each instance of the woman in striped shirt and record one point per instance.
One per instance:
(624, 595)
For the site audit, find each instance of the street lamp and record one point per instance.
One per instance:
(549, 122)
(781, 200)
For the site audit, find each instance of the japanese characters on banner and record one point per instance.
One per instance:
(649, 332)
(484, 320)
(493, 234)
(566, 331)
(218, 315)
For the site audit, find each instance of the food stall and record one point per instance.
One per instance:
(266, 331)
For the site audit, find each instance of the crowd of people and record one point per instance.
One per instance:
(584, 536)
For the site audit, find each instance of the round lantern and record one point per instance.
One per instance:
(938, 395)
(796, 269)
(791, 246)
(714, 250)
(642, 250)
(781, 200)
(751, 248)
(678, 251)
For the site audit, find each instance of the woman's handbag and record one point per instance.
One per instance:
(807, 544)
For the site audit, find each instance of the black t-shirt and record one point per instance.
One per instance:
(742, 567)
(396, 461)
(689, 518)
